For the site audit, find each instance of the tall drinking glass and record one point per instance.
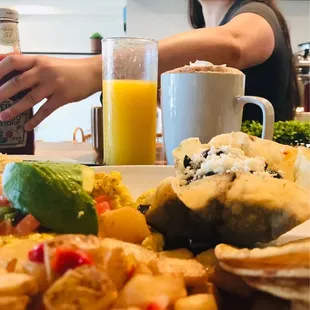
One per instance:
(130, 68)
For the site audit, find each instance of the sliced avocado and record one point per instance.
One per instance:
(55, 194)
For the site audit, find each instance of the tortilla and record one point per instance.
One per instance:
(279, 157)
(291, 289)
(302, 168)
(238, 207)
(291, 260)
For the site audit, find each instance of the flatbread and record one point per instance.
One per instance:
(290, 289)
(293, 254)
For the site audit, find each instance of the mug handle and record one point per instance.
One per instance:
(267, 109)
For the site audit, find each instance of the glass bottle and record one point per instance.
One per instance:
(13, 138)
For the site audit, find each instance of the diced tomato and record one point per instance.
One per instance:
(131, 272)
(6, 228)
(36, 255)
(102, 207)
(102, 198)
(66, 259)
(27, 225)
(154, 306)
(4, 201)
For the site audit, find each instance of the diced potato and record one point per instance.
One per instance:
(196, 302)
(207, 258)
(117, 267)
(143, 290)
(85, 287)
(154, 242)
(126, 224)
(178, 253)
(17, 284)
(37, 271)
(14, 302)
(208, 288)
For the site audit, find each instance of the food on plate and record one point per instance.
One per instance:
(163, 290)
(178, 253)
(111, 185)
(125, 224)
(62, 198)
(236, 189)
(283, 271)
(154, 242)
(57, 195)
(285, 288)
(14, 302)
(85, 287)
(145, 199)
(6, 159)
(87, 272)
(197, 302)
(16, 290)
(289, 260)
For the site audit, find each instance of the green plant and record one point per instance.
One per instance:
(288, 132)
(96, 35)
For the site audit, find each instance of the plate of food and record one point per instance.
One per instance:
(225, 228)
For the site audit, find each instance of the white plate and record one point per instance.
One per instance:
(139, 179)
(44, 158)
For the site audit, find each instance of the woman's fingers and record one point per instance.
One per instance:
(51, 105)
(19, 83)
(16, 63)
(33, 97)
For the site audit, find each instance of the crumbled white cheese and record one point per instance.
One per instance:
(224, 159)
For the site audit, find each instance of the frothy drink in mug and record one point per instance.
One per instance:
(204, 100)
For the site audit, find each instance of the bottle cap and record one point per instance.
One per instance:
(10, 14)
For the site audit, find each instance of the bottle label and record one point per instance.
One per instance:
(12, 133)
(8, 34)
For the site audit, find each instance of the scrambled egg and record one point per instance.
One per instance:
(112, 186)
(146, 198)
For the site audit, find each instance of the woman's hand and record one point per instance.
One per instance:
(60, 81)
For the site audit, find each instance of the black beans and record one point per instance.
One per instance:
(210, 173)
(187, 161)
(276, 174)
(144, 208)
(205, 153)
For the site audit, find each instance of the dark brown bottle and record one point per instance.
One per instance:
(13, 138)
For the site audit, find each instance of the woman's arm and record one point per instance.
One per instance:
(61, 81)
(247, 40)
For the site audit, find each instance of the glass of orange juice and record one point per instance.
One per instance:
(129, 89)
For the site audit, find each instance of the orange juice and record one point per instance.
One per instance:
(129, 117)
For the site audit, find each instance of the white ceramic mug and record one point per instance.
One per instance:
(206, 104)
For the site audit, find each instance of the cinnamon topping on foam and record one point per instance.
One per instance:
(200, 66)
